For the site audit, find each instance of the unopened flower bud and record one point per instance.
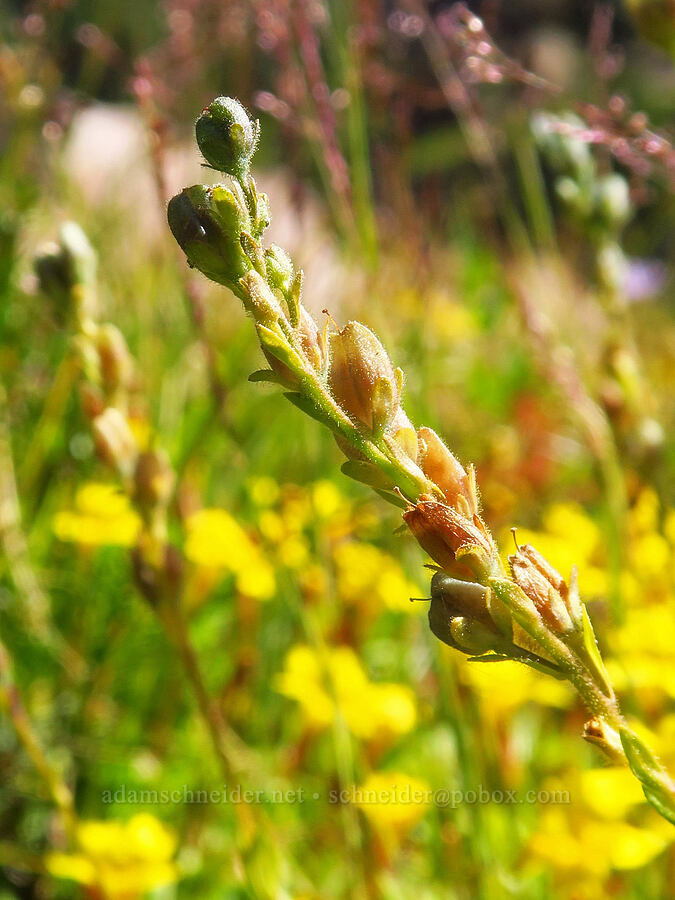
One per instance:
(441, 467)
(226, 136)
(66, 270)
(557, 137)
(612, 266)
(92, 400)
(115, 362)
(404, 434)
(259, 299)
(114, 440)
(613, 200)
(279, 268)
(310, 340)
(361, 376)
(207, 223)
(546, 588)
(153, 480)
(456, 543)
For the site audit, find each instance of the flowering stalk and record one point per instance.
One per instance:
(345, 380)
(67, 273)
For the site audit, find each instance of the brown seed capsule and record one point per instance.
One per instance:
(455, 542)
(439, 465)
(361, 376)
(544, 586)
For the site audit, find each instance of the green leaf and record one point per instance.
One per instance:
(267, 375)
(392, 498)
(593, 654)
(279, 348)
(309, 408)
(665, 809)
(366, 473)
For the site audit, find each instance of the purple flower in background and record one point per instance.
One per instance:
(644, 279)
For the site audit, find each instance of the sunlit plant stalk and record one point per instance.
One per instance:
(345, 380)
(11, 703)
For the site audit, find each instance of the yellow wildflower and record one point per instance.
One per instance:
(339, 683)
(610, 792)
(576, 846)
(369, 578)
(102, 515)
(518, 686)
(293, 551)
(264, 491)
(644, 515)
(216, 541)
(642, 651)
(393, 801)
(326, 499)
(121, 861)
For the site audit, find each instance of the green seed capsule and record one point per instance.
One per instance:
(207, 223)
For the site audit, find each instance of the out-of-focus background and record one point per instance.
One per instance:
(493, 196)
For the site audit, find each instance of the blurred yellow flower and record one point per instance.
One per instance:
(215, 540)
(322, 687)
(393, 801)
(264, 491)
(120, 861)
(642, 651)
(102, 515)
(644, 514)
(610, 792)
(369, 578)
(518, 686)
(327, 500)
(582, 846)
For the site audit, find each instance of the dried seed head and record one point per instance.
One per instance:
(544, 586)
(441, 467)
(226, 136)
(455, 542)
(207, 223)
(361, 376)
